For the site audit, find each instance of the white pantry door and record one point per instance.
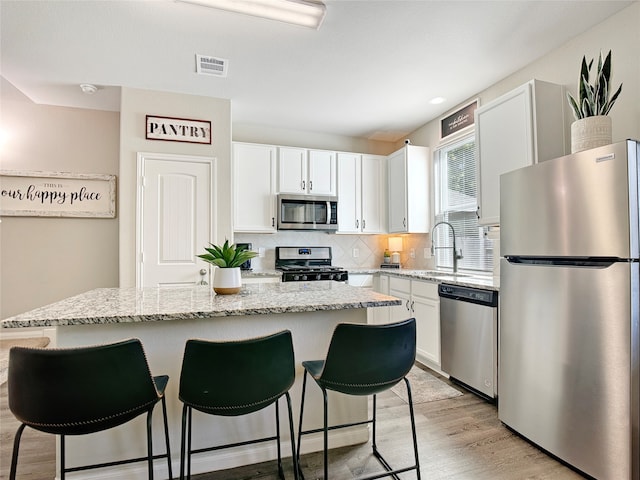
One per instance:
(175, 205)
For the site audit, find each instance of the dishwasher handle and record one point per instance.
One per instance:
(478, 296)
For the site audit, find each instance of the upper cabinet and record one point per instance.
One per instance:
(523, 127)
(303, 171)
(408, 174)
(254, 182)
(362, 193)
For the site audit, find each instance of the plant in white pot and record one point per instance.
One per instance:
(227, 258)
(592, 127)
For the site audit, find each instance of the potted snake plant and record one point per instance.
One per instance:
(592, 127)
(227, 258)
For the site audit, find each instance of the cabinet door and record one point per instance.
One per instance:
(254, 172)
(374, 198)
(400, 288)
(427, 314)
(349, 207)
(292, 170)
(504, 142)
(397, 171)
(322, 172)
(380, 315)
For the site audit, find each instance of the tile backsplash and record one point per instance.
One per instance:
(349, 251)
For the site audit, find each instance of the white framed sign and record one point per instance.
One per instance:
(178, 130)
(57, 194)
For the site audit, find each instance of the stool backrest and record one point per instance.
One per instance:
(237, 377)
(367, 359)
(74, 391)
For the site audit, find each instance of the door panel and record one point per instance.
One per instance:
(175, 220)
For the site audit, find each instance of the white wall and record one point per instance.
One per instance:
(136, 104)
(46, 259)
(620, 33)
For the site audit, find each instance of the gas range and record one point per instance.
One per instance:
(306, 264)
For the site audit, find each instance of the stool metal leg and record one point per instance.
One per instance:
(166, 437)
(413, 427)
(304, 389)
(149, 446)
(326, 435)
(293, 442)
(280, 469)
(14, 455)
(62, 465)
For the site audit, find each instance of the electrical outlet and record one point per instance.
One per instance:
(427, 253)
(412, 253)
(261, 252)
(355, 253)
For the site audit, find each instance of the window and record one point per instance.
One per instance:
(456, 203)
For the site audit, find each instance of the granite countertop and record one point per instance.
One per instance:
(127, 305)
(464, 279)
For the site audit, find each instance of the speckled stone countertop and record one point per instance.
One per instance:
(126, 305)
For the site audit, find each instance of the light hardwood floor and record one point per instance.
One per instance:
(459, 438)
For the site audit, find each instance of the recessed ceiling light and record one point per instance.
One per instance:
(437, 100)
(88, 88)
(306, 13)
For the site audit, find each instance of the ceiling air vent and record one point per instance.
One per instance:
(206, 65)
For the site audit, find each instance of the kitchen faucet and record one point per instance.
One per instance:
(455, 254)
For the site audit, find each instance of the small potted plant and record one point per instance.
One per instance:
(228, 258)
(592, 127)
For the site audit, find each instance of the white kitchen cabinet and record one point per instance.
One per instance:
(362, 193)
(523, 127)
(380, 315)
(408, 174)
(254, 182)
(419, 300)
(303, 171)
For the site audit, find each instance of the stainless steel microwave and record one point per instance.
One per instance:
(307, 212)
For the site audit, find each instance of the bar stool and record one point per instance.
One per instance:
(364, 360)
(78, 391)
(236, 378)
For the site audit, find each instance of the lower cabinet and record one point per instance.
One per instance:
(419, 300)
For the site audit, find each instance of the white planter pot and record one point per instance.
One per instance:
(227, 281)
(590, 132)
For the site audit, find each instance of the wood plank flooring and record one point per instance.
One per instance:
(459, 438)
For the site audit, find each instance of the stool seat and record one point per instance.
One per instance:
(79, 391)
(364, 360)
(233, 378)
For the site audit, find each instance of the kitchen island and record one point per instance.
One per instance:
(164, 318)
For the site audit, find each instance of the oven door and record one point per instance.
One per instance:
(306, 212)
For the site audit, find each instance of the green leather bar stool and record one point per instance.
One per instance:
(236, 378)
(364, 360)
(78, 391)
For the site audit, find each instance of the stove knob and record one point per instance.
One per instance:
(332, 276)
(296, 278)
(304, 277)
(319, 276)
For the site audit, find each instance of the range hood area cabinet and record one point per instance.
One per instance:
(306, 172)
(362, 187)
(523, 127)
(254, 188)
(408, 173)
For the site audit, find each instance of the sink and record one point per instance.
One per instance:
(438, 273)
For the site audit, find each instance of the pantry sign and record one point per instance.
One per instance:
(52, 194)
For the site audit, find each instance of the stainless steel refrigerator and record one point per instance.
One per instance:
(569, 329)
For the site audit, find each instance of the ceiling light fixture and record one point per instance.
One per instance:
(88, 88)
(306, 13)
(437, 100)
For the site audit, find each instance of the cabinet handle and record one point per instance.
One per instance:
(310, 185)
(273, 221)
(363, 224)
(407, 306)
(404, 222)
(478, 212)
(357, 223)
(303, 185)
(412, 302)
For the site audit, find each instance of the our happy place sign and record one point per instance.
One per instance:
(50, 194)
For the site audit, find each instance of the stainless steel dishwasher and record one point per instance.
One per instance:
(469, 337)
